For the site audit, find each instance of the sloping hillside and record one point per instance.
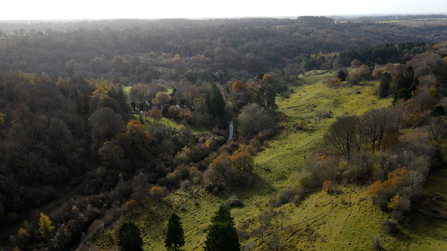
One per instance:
(345, 220)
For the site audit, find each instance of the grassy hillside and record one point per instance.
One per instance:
(345, 221)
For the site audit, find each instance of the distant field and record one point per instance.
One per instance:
(417, 23)
(148, 122)
(127, 88)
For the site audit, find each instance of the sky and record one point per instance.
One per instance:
(149, 9)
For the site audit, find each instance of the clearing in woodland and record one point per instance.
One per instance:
(345, 221)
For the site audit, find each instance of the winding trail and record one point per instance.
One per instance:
(346, 220)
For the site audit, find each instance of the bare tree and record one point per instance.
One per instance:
(374, 125)
(343, 136)
(437, 127)
(265, 220)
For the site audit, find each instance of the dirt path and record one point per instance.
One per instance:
(346, 220)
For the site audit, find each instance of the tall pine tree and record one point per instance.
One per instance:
(222, 235)
(175, 237)
(215, 102)
(222, 215)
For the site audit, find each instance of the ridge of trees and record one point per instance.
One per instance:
(169, 53)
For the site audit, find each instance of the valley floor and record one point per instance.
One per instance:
(346, 220)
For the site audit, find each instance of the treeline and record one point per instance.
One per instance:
(384, 53)
(211, 52)
(369, 55)
(20, 27)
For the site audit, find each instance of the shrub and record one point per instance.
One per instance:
(377, 242)
(186, 184)
(304, 182)
(243, 235)
(12, 217)
(389, 227)
(233, 202)
(287, 196)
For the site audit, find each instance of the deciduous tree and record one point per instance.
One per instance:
(161, 98)
(156, 193)
(155, 114)
(242, 161)
(342, 136)
(45, 226)
(238, 86)
(131, 205)
(267, 79)
(136, 141)
(105, 124)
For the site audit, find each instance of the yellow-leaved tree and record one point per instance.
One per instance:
(45, 227)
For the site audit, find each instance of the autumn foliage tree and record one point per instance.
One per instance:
(136, 141)
(45, 226)
(161, 98)
(238, 86)
(267, 79)
(131, 205)
(242, 161)
(155, 114)
(382, 192)
(156, 193)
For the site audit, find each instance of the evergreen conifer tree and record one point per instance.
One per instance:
(216, 103)
(129, 237)
(175, 237)
(222, 235)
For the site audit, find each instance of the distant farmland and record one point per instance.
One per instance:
(420, 23)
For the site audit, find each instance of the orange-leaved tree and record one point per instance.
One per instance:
(238, 86)
(155, 114)
(242, 161)
(131, 204)
(156, 193)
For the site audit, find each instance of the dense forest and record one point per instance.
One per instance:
(83, 107)
(142, 53)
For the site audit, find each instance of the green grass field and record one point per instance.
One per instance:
(347, 221)
(148, 122)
